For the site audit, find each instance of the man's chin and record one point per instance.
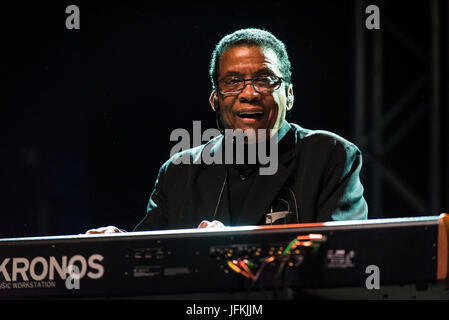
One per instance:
(253, 134)
(253, 126)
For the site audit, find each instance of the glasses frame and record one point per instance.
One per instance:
(251, 80)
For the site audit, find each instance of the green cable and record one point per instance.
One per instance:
(290, 245)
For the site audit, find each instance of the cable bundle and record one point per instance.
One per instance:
(297, 248)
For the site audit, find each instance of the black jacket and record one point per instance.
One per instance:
(318, 172)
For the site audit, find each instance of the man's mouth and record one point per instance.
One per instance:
(250, 114)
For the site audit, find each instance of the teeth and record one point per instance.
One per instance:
(250, 114)
(255, 112)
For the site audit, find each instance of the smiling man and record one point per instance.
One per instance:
(246, 88)
(317, 176)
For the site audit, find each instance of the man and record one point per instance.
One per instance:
(317, 177)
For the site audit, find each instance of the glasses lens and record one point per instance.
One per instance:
(265, 84)
(261, 84)
(231, 85)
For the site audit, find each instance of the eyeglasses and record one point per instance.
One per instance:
(262, 84)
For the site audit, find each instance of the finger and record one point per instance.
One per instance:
(93, 231)
(216, 224)
(203, 224)
(108, 229)
(112, 230)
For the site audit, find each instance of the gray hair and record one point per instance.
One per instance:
(252, 37)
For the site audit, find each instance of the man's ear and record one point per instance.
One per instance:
(290, 97)
(213, 100)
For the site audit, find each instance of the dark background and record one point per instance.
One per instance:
(86, 114)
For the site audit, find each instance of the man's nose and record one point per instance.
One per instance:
(249, 93)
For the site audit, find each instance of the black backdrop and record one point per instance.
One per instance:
(87, 114)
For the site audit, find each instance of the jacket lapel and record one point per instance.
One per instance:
(210, 183)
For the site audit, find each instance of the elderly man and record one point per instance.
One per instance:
(317, 176)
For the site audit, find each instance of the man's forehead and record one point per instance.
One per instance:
(242, 56)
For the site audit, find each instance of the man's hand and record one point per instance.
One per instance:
(207, 224)
(104, 230)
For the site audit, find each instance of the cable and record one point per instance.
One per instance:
(255, 281)
(245, 267)
(296, 204)
(311, 241)
(281, 275)
(235, 268)
(305, 241)
(221, 194)
(288, 204)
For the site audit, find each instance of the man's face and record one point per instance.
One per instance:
(251, 109)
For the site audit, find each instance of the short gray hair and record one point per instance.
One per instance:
(252, 37)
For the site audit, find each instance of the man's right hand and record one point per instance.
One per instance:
(104, 230)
